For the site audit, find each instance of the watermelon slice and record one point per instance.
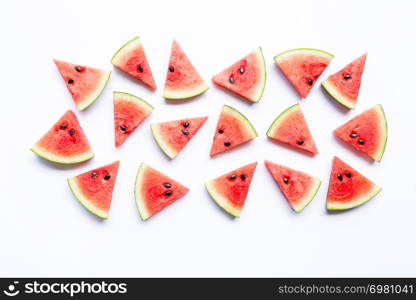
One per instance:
(154, 190)
(94, 189)
(302, 67)
(344, 85)
(65, 142)
(367, 132)
(131, 59)
(230, 191)
(298, 188)
(233, 129)
(246, 77)
(129, 112)
(348, 188)
(84, 83)
(290, 128)
(173, 136)
(182, 80)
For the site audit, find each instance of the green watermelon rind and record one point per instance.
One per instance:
(186, 94)
(279, 57)
(242, 118)
(336, 95)
(144, 213)
(62, 160)
(125, 48)
(352, 204)
(98, 91)
(135, 99)
(160, 141)
(84, 200)
(281, 117)
(221, 201)
(382, 147)
(309, 197)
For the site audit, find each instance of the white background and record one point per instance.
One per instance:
(46, 232)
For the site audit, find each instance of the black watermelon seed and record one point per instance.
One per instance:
(310, 82)
(185, 132)
(78, 69)
(353, 135)
(232, 177)
(123, 128)
(221, 131)
(168, 193)
(242, 70)
(93, 174)
(167, 185)
(300, 142)
(361, 141)
(227, 144)
(171, 69)
(140, 68)
(186, 124)
(231, 79)
(339, 176)
(106, 177)
(243, 177)
(348, 174)
(347, 76)
(72, 132)
(63, 126)
(286, 180)
(70, 81)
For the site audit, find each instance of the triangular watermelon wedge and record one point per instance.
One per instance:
(298, 188)
(131, 58)
(344, 85)
(154, 190)
(173, 136)
(290, 128)
(302, 67)
(367, 132)
(129, 112)
(94, 189)
(65, 142)
(84, 83)
(182, 80)
(246, 77)
(348, 188)
(230, 191)
(233, 129)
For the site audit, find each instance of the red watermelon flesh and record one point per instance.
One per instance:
(173, 136)
(246, 77)
(230, 191)
(298, 188)
(348, 188)
(129, 112)
(344, 85)
(154, 191)
(84, 83)
(65, 142)
(290, 128)
(367, 132)
(94, 189)
(302, 67)
(233, 129)
(131, 59)
(182, 79)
